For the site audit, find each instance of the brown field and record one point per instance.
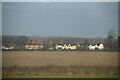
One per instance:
(54, 64)
(59, 58)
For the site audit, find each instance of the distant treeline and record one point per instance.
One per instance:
(111, 43)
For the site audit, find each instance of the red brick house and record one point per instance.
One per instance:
(33, 45)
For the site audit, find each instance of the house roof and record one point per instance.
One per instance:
(65, 44)
(96, 44)
(33, 42)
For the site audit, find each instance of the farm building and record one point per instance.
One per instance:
(99, 46)
(65, 47)
(33, 45)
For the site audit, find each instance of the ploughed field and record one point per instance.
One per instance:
(59, 58)
(59, 64)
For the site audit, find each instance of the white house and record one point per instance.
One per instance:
(101, 47)
(93, 47)
(7, 47)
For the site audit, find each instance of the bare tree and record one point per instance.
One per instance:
(111, 41)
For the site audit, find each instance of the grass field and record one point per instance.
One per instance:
(40, 64)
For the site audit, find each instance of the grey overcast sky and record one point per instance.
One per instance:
(67, 19)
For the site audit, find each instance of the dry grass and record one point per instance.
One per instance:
(59, 64)
(59, 58)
